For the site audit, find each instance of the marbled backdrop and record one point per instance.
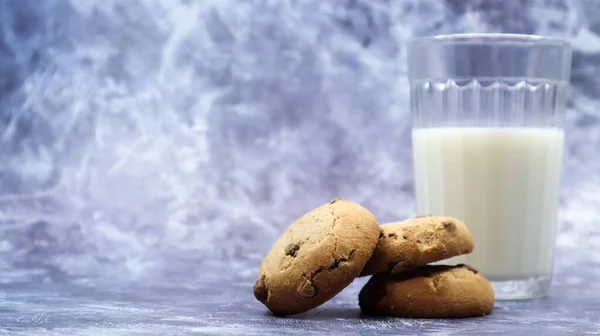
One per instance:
(172, 141)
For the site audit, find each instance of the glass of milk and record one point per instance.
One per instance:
(487, 115)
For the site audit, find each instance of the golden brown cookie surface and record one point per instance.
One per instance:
(417, 242)
(430, 292)
(316, 257)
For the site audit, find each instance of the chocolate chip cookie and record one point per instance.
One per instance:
(429, 292)
(316, 257)
(417, 242)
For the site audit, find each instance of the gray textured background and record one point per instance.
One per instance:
(167, 142)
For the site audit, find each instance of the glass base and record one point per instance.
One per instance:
(523, 289)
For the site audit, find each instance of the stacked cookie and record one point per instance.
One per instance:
(326, 249)
(405, 285)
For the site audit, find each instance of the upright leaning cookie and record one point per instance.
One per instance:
(430, 291)
(316, 257)
(417, 242)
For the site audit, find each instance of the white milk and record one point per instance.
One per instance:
(503, 183)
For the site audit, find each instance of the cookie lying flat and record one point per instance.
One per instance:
(316, 257)
(417, 242)
(430, 291)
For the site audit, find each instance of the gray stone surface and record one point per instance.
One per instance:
(230, 309)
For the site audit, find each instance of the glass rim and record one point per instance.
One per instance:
(488, 38)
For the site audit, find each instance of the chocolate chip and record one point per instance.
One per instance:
(307, 289)
(292, 250)
(261, 292)
(397, 266)
(449, 226)
(392, 235)
(336, 262)
(335, 200)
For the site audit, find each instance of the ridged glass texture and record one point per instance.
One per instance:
(488, 102)
(488, 80)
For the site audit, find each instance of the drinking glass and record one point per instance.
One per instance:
(487, 116)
